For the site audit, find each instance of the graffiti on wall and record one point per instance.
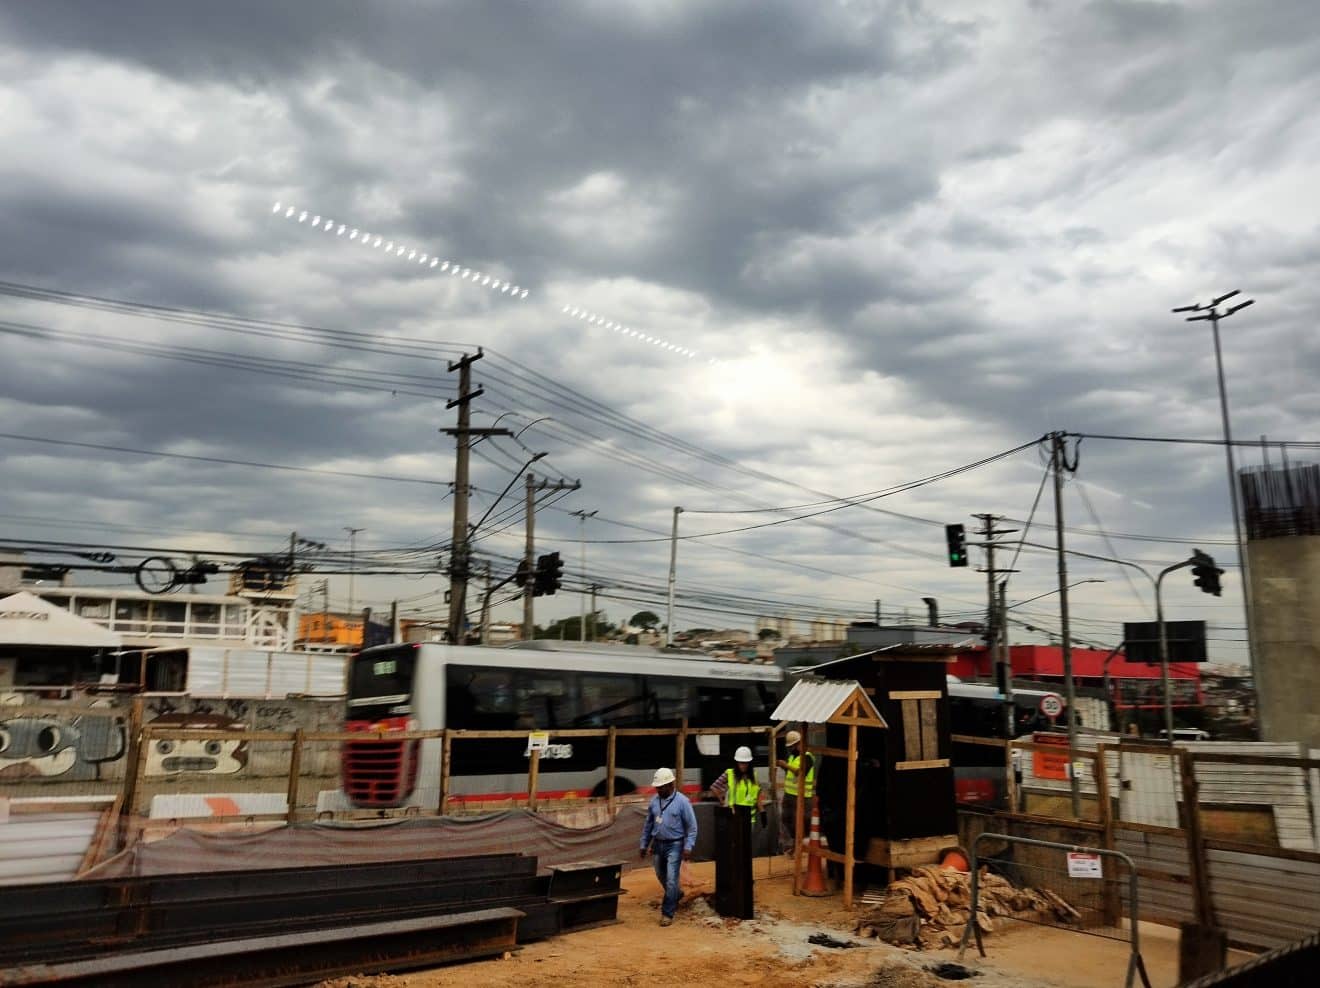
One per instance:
(210, 756)
(39, 746)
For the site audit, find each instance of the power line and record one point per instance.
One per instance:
(223, 460)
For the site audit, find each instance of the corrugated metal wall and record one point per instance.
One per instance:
(1262, 899)
(1163, 874)
(44, 847)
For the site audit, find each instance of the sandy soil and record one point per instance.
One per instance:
(772, 950)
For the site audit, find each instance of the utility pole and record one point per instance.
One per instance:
(529, 559)
(673, 568)
(996, 637)
(594, 588)
(325, 610)
(485, 608)
(460, 548)
(1210, 313)
(1058, 462)
(352, 561)
(877, 613)
(529, 550)
(582, 517)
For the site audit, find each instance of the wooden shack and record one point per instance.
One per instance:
(904, 799)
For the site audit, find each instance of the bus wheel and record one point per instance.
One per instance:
(622, 787)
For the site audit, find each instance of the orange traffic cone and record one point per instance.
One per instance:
(815, 883)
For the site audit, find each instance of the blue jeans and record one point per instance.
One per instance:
(668, 858)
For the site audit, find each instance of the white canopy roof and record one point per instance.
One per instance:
(815, 701)
(26, 619)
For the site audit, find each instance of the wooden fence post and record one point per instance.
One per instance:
(680, 754)
(128, 794)
(446, 757)
(295, 770)
(139, 769)
(610, 748)
(533, 777)
(1200, 873)
(849, 863)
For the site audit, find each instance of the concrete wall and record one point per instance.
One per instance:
(1285, 590)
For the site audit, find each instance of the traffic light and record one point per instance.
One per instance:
(1205, 573)
(957, 538)
(549, 574)
(522, 576)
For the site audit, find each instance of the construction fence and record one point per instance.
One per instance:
(1222, 835)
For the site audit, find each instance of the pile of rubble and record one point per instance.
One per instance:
(929, 908)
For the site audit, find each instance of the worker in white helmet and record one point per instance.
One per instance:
(670, 833)
(737, 786)
(799, 783)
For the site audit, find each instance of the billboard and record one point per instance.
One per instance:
(1141, 641)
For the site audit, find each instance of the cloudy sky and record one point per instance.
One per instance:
(877, 241)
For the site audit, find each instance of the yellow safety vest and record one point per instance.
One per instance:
(791, 776)
(743, 792)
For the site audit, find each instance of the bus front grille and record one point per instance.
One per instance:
(380, 773)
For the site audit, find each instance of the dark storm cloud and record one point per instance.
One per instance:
(915, 236)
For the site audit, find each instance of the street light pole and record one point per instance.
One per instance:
(1210, 313)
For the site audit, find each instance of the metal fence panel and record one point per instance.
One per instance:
(1098, 889)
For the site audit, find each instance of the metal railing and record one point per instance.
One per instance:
(1072, 881)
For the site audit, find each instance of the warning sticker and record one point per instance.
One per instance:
(1082, 865)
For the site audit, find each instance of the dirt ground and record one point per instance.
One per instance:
(772, 950)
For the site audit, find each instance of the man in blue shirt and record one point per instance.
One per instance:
(670, 833)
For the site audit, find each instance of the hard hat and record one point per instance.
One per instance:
(663, 776)
(792, 737)
(743, 754)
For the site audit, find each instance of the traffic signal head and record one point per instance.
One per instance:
(1205, 574)
(956, 535)
(549, 574)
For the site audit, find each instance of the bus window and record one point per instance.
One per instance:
(667, 700)
(382, 678)
(609, 699)
(719, 706)
(542, 700)
(481, 699)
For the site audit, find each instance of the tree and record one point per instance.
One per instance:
(646, 620)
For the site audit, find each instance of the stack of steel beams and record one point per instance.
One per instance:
(264, 926)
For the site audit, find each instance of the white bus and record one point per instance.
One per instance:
(542, 685)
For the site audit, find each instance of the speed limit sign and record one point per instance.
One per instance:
(1051, 706)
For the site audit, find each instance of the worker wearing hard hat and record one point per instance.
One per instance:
(797, 783)
(669, 834)
(737, 786)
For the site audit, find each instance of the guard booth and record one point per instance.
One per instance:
(904, 806)
(843, 709)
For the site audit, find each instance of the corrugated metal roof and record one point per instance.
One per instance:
(815, 701)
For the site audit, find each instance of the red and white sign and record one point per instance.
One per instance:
(1051, 706)
(1081, 865)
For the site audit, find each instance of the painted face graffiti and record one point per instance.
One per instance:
(41, 747)
(210, 756)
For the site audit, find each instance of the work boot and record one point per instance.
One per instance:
(666, 921)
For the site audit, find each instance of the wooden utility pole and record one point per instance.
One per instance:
(1059, 463)
(460, 550)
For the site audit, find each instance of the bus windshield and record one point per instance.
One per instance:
(381, 679)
